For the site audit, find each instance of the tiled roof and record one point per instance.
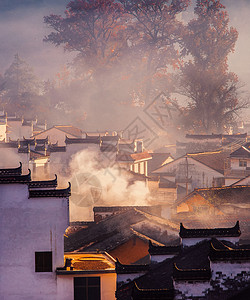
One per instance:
(53, 148)
(203, 136)
(166, 294)
(157, 160)
(12, 171)
(225, 194)
(41, 147)
(8, 178)
(229, 254)
(42, 141)
(44, 183)
(216, 232)
(215, 136)
(26, 142)
(129, 269)
(163, 250)
(72, 130)
(123, 208)
(60, 193)
(191, 274)
(117, 229)
(214, 160)
(23, 149)
(243, 151)
(141, 156)
(86, 140)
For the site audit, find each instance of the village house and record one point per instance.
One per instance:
(238, 165)
(208, 264)
(194, 170)
(58, 133)
(123, 232)
(17, 127)
(34, 216)
(209, 142)
(221, 201)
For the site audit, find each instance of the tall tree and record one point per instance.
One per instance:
(153, 31)
(21, 86)
(136, 38)
(211, 88)
(88, 28)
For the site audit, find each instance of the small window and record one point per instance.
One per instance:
(43, 261)
(87, 288)
(242, 163)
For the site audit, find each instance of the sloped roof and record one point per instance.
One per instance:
(214, 160)
(191, 263)
(115, 230)
(141, 156)
(12, 171)
(68, 129)
(58, 193)
(243, 151)
(157, 160)
(226, 194)
(205, 232)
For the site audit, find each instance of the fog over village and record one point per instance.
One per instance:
(124, 149)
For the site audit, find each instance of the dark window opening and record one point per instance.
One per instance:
(43, 261)
(242, 163)
(87, 288)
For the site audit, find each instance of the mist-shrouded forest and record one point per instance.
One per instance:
(100, 64)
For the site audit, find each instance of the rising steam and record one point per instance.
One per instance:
(95, 183)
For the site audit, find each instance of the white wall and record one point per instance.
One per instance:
(191, 289)
(2, 132)
(27, 226)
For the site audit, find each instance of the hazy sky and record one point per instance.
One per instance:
(22, 31)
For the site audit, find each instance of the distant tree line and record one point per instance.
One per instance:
(129, 51)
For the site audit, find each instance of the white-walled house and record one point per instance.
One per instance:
(208, 266)
(34, 216)
(238, 165)
(33, 222)
(198, 170)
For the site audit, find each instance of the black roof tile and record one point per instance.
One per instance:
(163, 250)
(60, 193)
(215, 232)
(43, 183)
(12, 171)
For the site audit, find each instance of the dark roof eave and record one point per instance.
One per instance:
(60, 193)
(216, 232)
(44, 183)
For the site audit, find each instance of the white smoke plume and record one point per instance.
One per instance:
(95, 183)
